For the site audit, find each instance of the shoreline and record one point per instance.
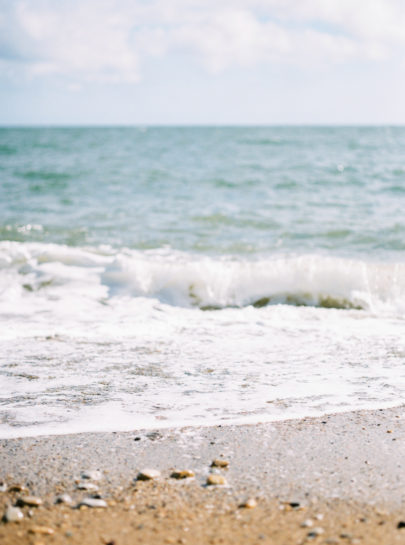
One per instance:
(341, 464)
(294, 446)
(167, 426)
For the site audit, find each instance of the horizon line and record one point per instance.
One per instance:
(195, 125)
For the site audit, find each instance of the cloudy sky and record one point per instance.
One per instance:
(202, 61)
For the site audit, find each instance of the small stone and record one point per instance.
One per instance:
(315, 532)
(90, 487)
(3, 487)
(92, 502)
(32, 501)
(401, 524)
(219, 463)
(249, 504)
(291, 506)
(92, 475)
(18, 488)
(308, 523)
(214, 479)
(148, 475)
(43, 530)
(13, 514)
(182, 474)
(64, 498)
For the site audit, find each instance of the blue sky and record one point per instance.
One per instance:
(202, 61)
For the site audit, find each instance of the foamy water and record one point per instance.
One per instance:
(104, 340)
(175, 277)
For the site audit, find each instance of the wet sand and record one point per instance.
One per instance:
(335, 479)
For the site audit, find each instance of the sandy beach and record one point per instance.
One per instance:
(202, 272)
(335, 479)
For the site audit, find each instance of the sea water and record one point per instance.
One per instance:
(164, 276)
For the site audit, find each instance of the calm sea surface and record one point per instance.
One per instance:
(169, 276)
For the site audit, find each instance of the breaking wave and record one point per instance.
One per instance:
(208, 283)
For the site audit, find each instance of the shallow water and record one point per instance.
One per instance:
(164, 276)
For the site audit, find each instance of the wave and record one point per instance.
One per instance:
(212, 284)
(207, 283)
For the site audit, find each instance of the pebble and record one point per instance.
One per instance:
(3, 487)
(291, 506)
(214, 479)
(249, 504)
(13, 514)
(64, 498)
(315, 532)
(308, 523)
(148, 475)
(91, 487)
(182, 474)
(18, 488)
(220, 463)
(93, 502)
(92, 475)
(32, 501)
(43, 530)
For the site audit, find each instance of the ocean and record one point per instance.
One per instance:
(161, 276)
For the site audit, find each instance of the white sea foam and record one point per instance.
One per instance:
(96, 339)
(305, 280)
(186, 280)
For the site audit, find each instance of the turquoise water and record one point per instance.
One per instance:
(207, 190)
(178, 276)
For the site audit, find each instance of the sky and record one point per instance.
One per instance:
(255, 62)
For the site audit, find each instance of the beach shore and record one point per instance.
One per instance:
(335, 479)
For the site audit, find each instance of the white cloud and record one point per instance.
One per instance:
(233, 36)
(112, 39)
(90, 40)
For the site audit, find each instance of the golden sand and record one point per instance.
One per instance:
(184, 512)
